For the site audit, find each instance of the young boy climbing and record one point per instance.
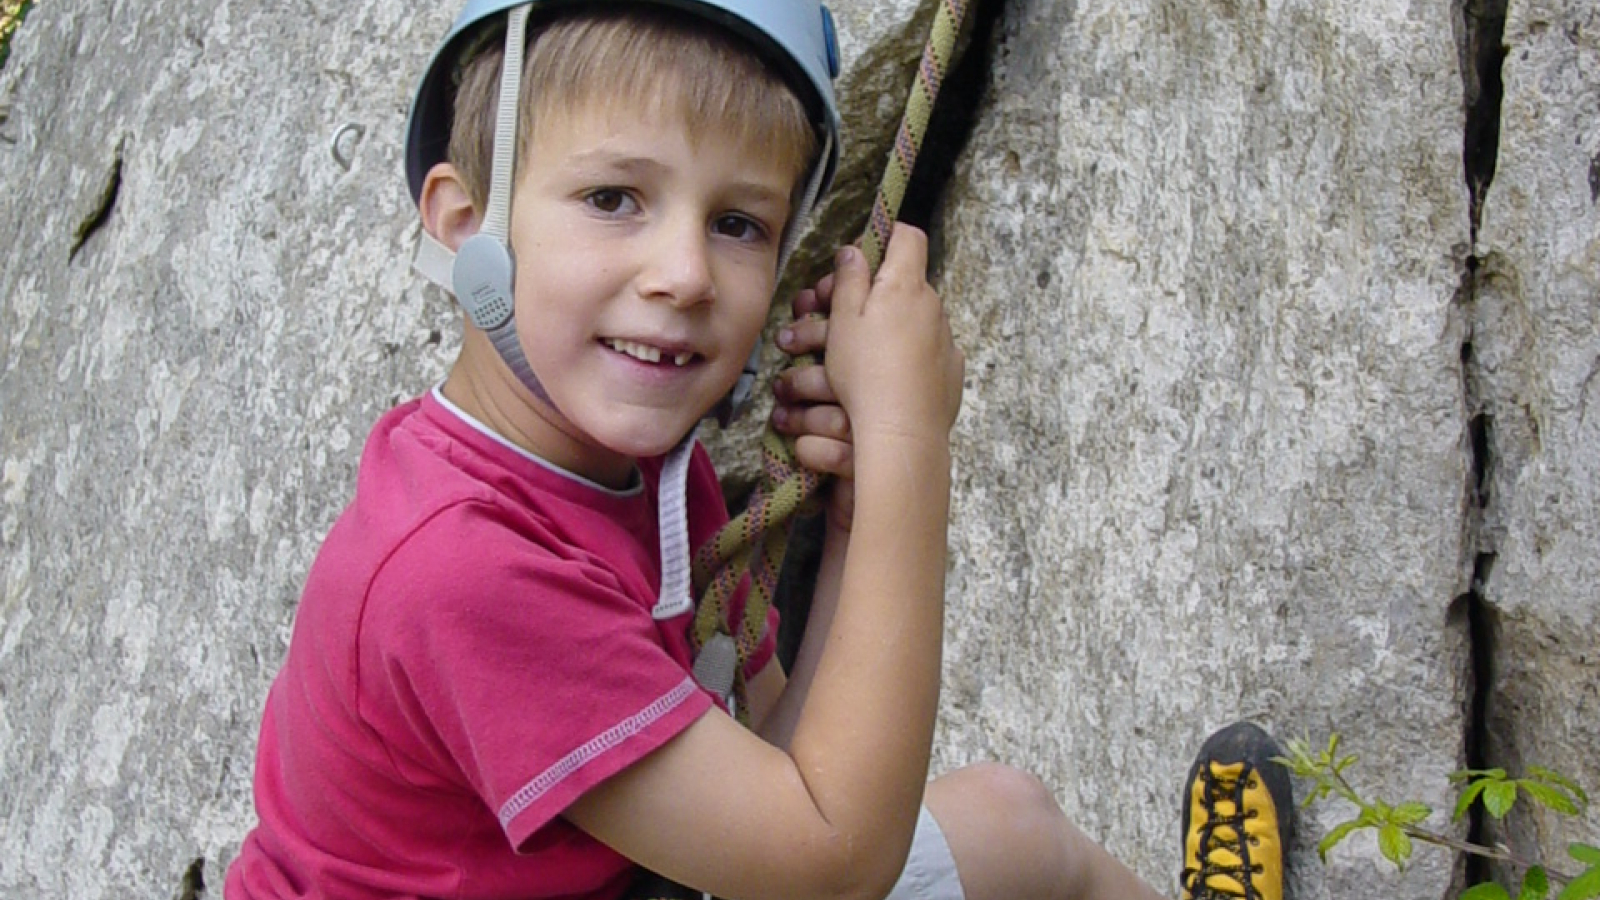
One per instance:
(489, 688)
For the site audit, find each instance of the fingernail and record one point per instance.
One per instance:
(848, 255)
(786, 337)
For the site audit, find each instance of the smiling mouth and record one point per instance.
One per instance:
(649, 354)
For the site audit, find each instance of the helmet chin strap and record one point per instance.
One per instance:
(483, 273)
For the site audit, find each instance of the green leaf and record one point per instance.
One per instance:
(1341, 765)
(1486, 891)
(1584, 853)
(1467, 796)
(1499, 797)
(1394, 844)
(1476, 774)
(1584, 887)
(1559, 780)
(1554, 798)
(1332, 838)
(1410, 813)
(1298, 761)
(1535, 884)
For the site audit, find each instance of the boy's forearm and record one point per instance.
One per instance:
(862, 738)
(778, 726)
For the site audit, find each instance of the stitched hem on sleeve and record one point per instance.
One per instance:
(570, 764)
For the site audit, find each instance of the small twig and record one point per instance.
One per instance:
(1439, 840)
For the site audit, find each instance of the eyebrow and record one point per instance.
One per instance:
(601, 158)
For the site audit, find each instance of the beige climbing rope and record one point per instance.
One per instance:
(754, 542)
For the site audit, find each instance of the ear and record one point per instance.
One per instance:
(446, 206)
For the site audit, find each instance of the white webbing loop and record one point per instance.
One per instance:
(715, 666)
(672, 517)
(434, 261)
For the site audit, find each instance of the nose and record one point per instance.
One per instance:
(677, 264)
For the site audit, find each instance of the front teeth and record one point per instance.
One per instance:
(645, 352)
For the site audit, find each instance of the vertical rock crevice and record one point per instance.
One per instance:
(1480, 39)
(955, 114)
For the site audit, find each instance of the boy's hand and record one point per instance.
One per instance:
(891, 361)
(807, 408)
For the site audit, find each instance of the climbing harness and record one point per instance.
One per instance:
(754, 542)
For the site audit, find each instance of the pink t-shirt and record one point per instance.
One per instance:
(474, 649)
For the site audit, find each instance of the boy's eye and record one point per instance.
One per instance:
(741, 228)
(608, 200)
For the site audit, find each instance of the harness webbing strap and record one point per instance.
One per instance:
(754, 542)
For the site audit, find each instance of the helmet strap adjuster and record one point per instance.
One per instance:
(482, 279)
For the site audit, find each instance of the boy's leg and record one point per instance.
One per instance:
(1011, 841)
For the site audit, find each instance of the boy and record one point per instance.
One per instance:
(488, 690)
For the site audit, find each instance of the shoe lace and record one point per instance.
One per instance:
(1225, 870)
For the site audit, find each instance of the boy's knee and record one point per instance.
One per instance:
(1011, 789)
(1009, 798)
(1005, 828)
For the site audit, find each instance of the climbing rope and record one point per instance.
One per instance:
(754, 542)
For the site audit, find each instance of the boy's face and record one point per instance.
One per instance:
(646, 262)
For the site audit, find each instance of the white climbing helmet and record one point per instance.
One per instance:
(796, 36)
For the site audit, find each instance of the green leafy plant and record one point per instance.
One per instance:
(1399, 826)
(11, 15)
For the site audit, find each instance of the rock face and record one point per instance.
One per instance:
(1536, 341)
(1246, 435)
(1206, 260)
(185, 389)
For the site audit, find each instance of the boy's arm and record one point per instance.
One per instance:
(808, 411)
(722, 810)
(776, 700)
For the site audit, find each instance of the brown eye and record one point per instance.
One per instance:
(740, 228)
(608, 200)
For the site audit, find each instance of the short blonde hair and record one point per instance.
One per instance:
(661, 59)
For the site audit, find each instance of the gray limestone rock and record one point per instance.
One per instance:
(203, 312)
(1536, 345)
(1205, 262)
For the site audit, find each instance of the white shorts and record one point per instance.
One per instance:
(930, 872)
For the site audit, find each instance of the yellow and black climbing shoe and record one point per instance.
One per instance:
(1237, 818)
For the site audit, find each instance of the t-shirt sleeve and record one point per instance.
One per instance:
(533, 677)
